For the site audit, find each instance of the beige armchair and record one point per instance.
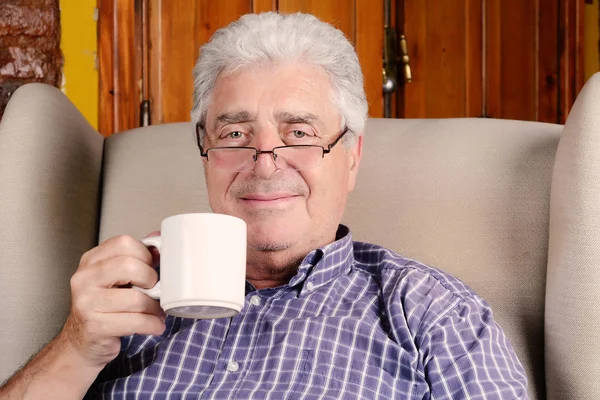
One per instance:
(490, 201)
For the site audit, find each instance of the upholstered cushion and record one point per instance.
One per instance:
(573, 290)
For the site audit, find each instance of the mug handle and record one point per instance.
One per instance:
(153, 292)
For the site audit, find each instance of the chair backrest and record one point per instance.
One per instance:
(470, 196)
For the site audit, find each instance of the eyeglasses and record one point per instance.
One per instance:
(239, 159)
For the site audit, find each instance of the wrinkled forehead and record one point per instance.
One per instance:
(291, 92)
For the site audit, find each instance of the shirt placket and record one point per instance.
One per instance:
(238, 347)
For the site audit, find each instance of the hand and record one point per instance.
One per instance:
(102, 310)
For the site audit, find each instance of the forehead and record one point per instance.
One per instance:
(274, 92)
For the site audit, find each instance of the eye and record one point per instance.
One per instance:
(235, 135)
(299, 134)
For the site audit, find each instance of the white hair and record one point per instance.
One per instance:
(272, 37)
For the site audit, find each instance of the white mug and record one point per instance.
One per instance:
(202, 265)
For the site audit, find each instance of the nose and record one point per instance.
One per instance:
(265, 166)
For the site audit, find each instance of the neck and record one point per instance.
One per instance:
(270, 269)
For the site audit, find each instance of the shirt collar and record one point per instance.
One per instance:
(324, 264)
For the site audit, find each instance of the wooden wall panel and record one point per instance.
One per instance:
(339, 13)
(571, 49)
(176, 35)
(369, 47)
(445, 58)
(119, 66)
(511, 65)
(414, 17)
(474, 58)
(548, 73)
(106, 72)
(259, 6)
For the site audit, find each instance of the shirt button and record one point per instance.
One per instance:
(233, 366)
(255, 300)
(310, 286)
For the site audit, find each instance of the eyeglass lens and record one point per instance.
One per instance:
(242, 159)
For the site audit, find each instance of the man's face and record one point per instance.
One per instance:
(289, 213)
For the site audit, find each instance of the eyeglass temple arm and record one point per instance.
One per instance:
(330, 146)
(202, 152)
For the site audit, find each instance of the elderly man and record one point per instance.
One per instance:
(279, 111)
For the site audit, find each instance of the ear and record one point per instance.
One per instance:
(355, 155)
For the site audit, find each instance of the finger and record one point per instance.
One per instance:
(117, 246)
(117, 271)
(125, 324)
(118, 300)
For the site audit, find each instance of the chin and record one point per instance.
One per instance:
(269, 246)
(262, 242)
(271, 239)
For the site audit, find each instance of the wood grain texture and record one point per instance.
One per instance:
(119, 66)
(339, 13)
(259, 6)
(571, 64)
(474, 58)
(369, 47)
(548, 68)
(511, 64)
(445, 69)
(106, 68)
(176, 35)
(445, 59)
(127, 91)
(414, 16)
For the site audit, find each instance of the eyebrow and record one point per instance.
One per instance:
(232, 118)
(293, 118)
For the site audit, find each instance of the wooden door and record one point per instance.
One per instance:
(514, 59)
(151, 46)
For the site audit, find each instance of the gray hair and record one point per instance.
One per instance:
(273, 37)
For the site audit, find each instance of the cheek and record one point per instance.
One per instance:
(217, 184)
(328, 187)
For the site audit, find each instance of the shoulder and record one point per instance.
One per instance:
(392, 268)
(421, 295)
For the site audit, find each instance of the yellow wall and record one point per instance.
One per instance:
(590, 42)
(79, 46)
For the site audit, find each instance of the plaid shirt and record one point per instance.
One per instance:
(357, 321)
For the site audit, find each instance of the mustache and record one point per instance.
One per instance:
(254, 185)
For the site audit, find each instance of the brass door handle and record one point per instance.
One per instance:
(391, 60)
(405, 59)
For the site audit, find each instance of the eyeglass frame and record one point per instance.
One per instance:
(272, 151)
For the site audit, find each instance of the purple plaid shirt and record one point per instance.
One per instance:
(356, 322)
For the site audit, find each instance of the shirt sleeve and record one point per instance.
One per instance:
(466, 355)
